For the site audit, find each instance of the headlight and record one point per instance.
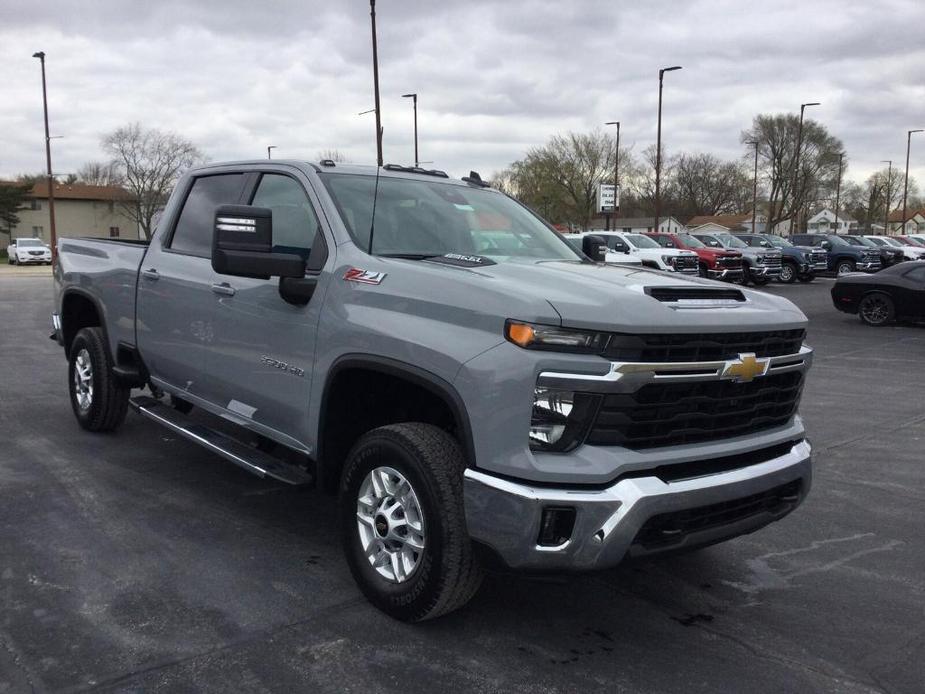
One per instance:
(548, 337)
(668, 259)
(561, 418)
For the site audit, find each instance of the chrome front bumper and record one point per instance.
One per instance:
(762, 271)
(729, 273)
(506, 515)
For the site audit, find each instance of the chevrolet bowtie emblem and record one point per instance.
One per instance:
(746, 368)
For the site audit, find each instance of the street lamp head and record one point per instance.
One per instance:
(612, 122)
(812, 103)
(920, 130)
(669, 69)
(39, 54)
(406, 96)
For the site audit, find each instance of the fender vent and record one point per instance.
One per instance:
(705, 295)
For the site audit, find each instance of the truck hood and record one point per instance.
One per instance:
(613, 298)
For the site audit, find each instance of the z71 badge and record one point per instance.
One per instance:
(355, 274)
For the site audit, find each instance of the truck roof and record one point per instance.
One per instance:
(386, 171)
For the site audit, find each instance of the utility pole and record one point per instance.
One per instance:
(906, 183)
(53, 236)
(755, 188)
(372, 17)
(616, 173)
(414, 98)
(886, 198)
(796, 167)
(658, 144)
(841, 156)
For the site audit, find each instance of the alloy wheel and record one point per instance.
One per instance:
(83, 380)
(390, 524)
(875, 310)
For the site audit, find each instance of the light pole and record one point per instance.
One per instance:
(886, 197)
(796, 164)
(658, 144)
(616, 172)
(906, 182)
(51, 181)
(372, 18)
(270, 147)
(414, 98)
(841, 157)
(755, 188)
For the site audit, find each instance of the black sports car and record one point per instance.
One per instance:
(898, 292)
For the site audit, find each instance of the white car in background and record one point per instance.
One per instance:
(621, 244)
(26, 251)
(575, 241)
(910, 252)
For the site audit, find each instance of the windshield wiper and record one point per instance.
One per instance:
(410, 256)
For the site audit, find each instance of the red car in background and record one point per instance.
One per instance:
(715, 263)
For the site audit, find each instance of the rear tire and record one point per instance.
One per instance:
(788, 273)
(98, 399)
(403, 522)
(877, 309)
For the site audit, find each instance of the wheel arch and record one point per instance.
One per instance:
(334, 442)
(80, 309)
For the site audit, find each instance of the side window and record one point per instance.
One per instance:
(295, 224)
(917, 275)
(193, 233)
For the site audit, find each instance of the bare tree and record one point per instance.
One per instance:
(865, 202)
(98, 173)
(703, 184)
(149, 163)
(777, 143)
(333, 155)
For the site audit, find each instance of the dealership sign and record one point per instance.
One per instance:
(608, 198)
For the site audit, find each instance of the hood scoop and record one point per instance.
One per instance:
(697, 297)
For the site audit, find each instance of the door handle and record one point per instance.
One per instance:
(150, 274)
(223, 288)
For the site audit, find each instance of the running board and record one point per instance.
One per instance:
(252, 460)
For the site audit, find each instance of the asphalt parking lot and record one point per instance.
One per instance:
(139, 561)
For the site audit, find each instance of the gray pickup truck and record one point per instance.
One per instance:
(478, 392)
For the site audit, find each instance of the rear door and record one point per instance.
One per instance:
(176, 302)
(910, 297)
(261, 368)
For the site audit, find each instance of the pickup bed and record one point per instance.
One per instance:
(475, 390)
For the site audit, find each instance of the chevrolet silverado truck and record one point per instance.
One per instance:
(475, 390)
(650, 254)
(761, 265)
(715, 263)
(844, 256)
(797, 262)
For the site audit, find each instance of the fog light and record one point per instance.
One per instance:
(561, 418)
(556, 525)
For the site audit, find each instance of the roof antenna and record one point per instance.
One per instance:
(372, 219)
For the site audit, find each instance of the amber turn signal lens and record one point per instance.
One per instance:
(520, 334)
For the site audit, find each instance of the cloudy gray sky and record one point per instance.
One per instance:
(494, 78)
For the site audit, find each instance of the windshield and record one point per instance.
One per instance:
(422, 218)
(909, 240)
(836, 240)
(29, 243)
(777, 241)
(852, 241)
(893, 242)
(691, 241)
(877, 242)
(641, 241)
(861, 241)
(730, 241)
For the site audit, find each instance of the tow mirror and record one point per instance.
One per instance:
(242, 245)
(594, 247)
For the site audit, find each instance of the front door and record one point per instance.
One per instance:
(175, 304)
(261, 368)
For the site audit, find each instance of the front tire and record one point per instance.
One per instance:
(403, 522)
(760, 281)
(788, 273)
(844, 267)
(99, 401)
(877, 309)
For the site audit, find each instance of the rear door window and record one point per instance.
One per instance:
(193, 232)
